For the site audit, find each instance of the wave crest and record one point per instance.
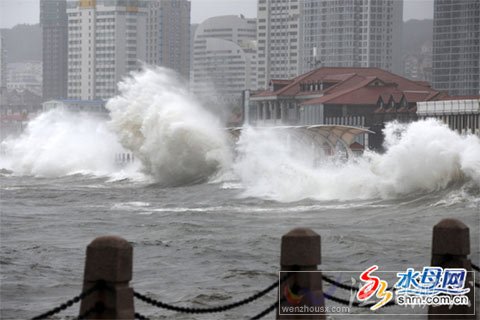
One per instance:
(177, 141)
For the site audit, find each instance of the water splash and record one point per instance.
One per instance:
(177, 141)
(421, 157)
(59, 143)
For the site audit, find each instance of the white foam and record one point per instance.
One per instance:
(421, 157)
(176, 140)
(59, 143)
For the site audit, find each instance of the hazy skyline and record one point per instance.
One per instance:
(13, 12)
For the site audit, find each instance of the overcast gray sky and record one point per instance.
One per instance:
(13, 12)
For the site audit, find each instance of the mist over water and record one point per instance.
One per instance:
(59, 143)
(177, 142)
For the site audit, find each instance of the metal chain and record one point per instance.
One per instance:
(70, 302)
(226, 307)
(338, 284)
(474, 267)
(99, 307)
(140, 316)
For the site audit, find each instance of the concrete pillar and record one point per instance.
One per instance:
(274, 111)
(450, 249)
(270, 109)
(283, 112)
(109, 259)
(259, 106)
(300, 251)
(279, 112)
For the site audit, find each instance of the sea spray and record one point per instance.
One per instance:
(177, 141)
(59, 143)
(421, 157)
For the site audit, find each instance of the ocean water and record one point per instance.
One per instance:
(205, 213)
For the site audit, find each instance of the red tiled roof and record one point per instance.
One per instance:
(397, 96)
(385, 96)
(353, 86)
(423, 83)
(414, 96)
(351, 95)
(352, 80)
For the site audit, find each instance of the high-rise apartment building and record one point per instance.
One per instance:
(280, 39)
(224, 57)
(3, 65)
(353, 33)
(456, 46)
(193, 29)
(54, 23)
(418, 65)
(106, 40)
(168, 34)
(295, 36)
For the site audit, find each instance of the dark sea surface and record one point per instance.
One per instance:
(204, 244)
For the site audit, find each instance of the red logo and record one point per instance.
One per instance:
(374, 285)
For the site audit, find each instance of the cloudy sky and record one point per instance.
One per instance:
(13, 12)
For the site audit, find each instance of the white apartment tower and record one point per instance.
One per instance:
(353, 33)
(280, 39)
(224, 57)
(106, 40)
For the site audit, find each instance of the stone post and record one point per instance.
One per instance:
(300, 251)
(109, 259)
(450, 249)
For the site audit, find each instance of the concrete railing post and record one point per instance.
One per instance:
(109, 259)
(450, 249)
(300, 251)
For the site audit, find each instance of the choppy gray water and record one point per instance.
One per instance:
(199, 245)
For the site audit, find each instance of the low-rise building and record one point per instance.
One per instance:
(17, 107)
(25, 76)
(461, 113)
(363, 97)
